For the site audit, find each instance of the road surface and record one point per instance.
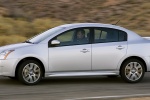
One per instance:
(95, 88)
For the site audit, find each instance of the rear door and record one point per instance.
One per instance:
(109, 47)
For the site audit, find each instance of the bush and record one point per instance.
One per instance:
(19, 29)
(43, 24)
(9, 26)
(4, 40)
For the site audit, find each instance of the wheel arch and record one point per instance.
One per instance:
(29, 58)
(134, 57)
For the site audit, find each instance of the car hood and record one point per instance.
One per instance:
(14, 46)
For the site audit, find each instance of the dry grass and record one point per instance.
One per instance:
(4, 40)
(140, 98)
(26, 18)
(17, 30)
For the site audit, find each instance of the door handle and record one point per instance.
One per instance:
(120, 47)
(84, 50)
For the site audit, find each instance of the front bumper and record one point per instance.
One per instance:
(7, 67)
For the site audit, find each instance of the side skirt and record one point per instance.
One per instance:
(83, 73)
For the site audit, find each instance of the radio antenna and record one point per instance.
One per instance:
(117, 22)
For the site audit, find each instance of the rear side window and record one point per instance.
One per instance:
(122, 36)
(102, 35)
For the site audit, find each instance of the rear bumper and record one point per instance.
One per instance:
(7, 67)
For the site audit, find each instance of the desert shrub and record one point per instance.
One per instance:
(4, 40)
(6, 26)
(142, 33)
(17, 30)
(10, 26)
(4, 11)
(23, 28)
(43, 24)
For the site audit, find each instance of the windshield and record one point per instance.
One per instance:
(40, 37)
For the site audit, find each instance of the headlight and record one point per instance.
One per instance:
(4, 54)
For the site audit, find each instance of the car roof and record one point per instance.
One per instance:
(92, 25)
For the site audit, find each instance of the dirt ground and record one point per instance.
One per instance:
(138, 98)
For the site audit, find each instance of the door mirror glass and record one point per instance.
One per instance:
(55, 42)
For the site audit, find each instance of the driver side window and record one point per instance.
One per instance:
(76, 36)
(66, 38)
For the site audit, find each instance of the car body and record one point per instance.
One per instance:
(106, 50)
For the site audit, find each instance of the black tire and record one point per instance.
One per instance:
(30, 72)
(13, 78)
(112, 76)
(132, 71)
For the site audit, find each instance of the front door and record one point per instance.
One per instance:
(73, 53)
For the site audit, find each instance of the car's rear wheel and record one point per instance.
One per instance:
(132, 71)
(30, 72)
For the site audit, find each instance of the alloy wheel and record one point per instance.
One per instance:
(31, 73)
(133, 71)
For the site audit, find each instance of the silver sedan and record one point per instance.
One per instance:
(82, 49)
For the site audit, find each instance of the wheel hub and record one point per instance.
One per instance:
(31, 72)
(133, 70)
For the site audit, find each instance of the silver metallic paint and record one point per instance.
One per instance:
(104, 57)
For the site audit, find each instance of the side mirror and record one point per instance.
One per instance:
(55, 42)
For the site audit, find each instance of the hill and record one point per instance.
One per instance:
(133, 14)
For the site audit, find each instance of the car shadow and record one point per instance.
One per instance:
(81, 80)
(73, 80)
(8, 81)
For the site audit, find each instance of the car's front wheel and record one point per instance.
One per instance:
(30, 72)
(112, 76)
(13, 78)
(132, 71)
